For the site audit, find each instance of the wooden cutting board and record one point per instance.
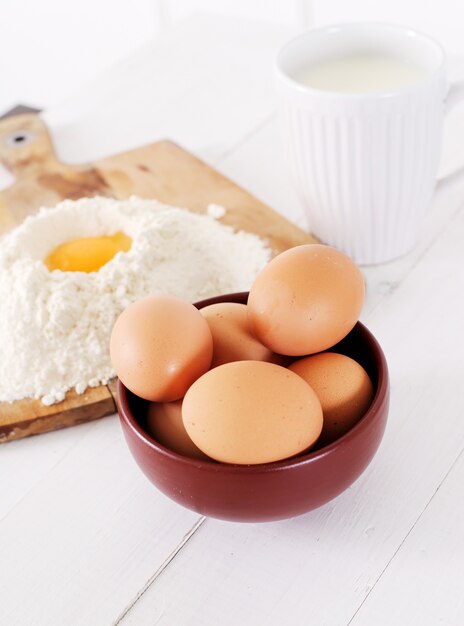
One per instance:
(161, 170)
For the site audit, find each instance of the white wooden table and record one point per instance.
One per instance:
(85, 540)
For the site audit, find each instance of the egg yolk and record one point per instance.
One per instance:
(87, 254)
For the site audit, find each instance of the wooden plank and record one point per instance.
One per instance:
(287, 571)
(41, 180)
(87, 536)
(30, 417)
(26, 463)
(162, 170)
(172, 175)
(123, 529)
(424, 583)
(88, 531)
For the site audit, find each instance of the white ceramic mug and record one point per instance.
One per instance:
(365, 164)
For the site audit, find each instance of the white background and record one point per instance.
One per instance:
(48, 49)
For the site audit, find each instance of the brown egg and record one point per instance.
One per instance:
(232, 339)
(305, 300)
(159, 346)
(343, 388)
(251, 412)
(164, 423)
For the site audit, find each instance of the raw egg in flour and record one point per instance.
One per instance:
(305, 300)
(343, 387)
(250, 412)
(159, 346)
(87, 254)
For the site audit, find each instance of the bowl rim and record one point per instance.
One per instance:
(364, 423)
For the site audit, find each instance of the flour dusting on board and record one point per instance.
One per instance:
(55, 326)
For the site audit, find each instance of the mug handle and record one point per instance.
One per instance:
(454, 97)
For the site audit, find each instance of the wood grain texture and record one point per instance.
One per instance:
(330, 562)
(161, 170)
(424, 582)
(30, 417)
(82, 533)
(78, 533)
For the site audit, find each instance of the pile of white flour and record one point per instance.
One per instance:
(55, 326)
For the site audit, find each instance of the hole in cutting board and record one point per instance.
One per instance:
(19, 138)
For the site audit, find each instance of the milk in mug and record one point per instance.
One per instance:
(367, 72)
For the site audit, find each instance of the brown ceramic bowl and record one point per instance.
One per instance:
(256, 493)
